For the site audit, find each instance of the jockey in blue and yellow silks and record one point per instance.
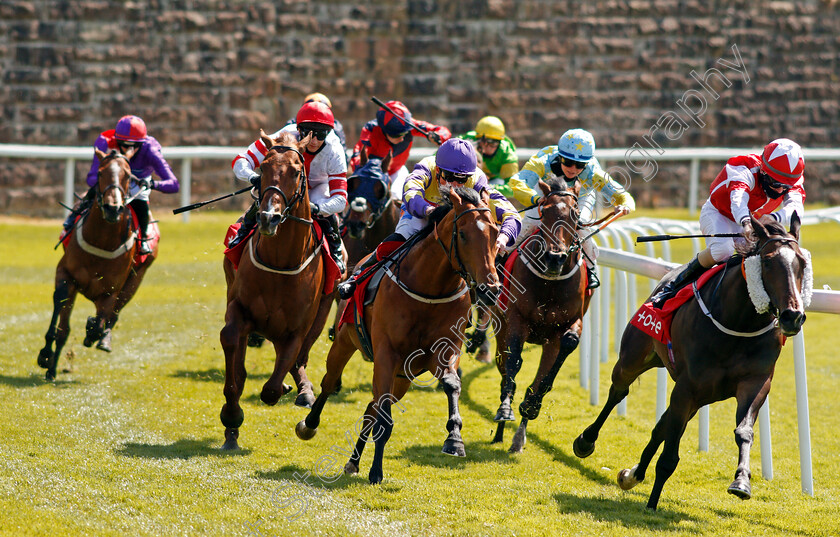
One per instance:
(453, 165)
(573, 158)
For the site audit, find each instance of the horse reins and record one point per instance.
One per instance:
(299, 194)
(453, 245)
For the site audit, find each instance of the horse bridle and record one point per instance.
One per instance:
(576, 243)
(774, 311)
(101, 193)
(289, 204)
(453, 245)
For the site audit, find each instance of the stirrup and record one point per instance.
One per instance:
(592, 280)
(144, 248)
(347, 288)
(658, 300)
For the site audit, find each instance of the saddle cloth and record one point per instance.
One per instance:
(152, 240)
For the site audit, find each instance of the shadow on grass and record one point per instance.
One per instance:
(301, 475)
(34, 380)
(181, 449)
(214, 374)
(432, 455)
(630, 512)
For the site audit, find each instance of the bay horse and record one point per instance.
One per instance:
(98, 261)
(759, 299)
(276, 291)
(423, 303)
(550, 273)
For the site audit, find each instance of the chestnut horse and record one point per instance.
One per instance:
(413, 318)
(731, 351)
(277, 289)
(98, 262)
(549, 312)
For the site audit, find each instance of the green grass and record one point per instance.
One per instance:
(127, 443)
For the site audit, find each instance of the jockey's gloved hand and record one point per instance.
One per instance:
(749, 234)
(314, 209)
(432, 136)
(254, 179)
(146, 183)
(501, 242)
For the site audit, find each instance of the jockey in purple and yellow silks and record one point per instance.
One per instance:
(453, 165)
(573, 158)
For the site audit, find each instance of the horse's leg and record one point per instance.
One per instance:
(512, 354)
(306, 395)
(129, 289)
(478, 339)
(59, 300)
(233, 338)
(454, 444)
(285, 352)
(501, 359)
(368, 420)
(63, 299)
(750, 395)
(340, 353)
(636, 355)
(669, 430)
(385, 363)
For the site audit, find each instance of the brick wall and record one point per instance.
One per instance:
(214, 72)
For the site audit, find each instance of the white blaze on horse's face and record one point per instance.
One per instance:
(480, 225)
(114, 169)
(789, 257)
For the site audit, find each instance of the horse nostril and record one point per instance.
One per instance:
(792, 318)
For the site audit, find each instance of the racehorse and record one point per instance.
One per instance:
(276, 290)
(753, 305)
(549, 310)
(373, 214)
(416, 310)
(98, 262)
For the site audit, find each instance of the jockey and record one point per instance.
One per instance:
(754, 185)
(321, 98)
(454, 165)
(391, 133)
(326, 173)
(572, 159)
(497, 152)
(144, 153)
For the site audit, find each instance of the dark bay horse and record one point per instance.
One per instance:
(549, 312)
(412, 319)
(710, 365)
(98, 262)
(277, 289)
(372, 214)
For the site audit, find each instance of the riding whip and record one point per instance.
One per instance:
(408, 121)
(653, 238)
(186, 208)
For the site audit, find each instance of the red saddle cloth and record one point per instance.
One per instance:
(332, 273)
(657, 322)
(153, 241)
(355, 302)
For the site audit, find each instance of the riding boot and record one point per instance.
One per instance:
(329, 226)
(391, 243)
(691, 272)
(80, 209)
(249, 222)
(592, 280)
(141, 209)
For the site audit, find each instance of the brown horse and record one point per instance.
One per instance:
(277, 289)
(413, 318)
(97, 262)
(710, 364)
(549, 312)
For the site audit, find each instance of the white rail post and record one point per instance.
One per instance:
(594, 351)
(803, 419)
(186, 186)
(765, 440)
(585, 350)
(693, 185)
(69, 184)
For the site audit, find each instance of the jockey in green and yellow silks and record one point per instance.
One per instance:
(497, 153)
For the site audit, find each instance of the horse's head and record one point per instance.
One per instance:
(369, 190)
(558, 221)
(783, 270)
(112, 183)
(472, 234)
(283, 185)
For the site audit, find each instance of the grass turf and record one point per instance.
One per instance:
(127, 443)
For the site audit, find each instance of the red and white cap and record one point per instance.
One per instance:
(783, 161)
(130, 129)
(315, 112)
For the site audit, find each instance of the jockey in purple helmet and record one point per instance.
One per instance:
(453, 165)
(144, 157)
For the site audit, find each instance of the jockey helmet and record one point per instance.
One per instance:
(318, 98)
(130, 129)
(394, 124)
(315, 112)
(490, 127)
(782, 160)
(576, 144)
(456, 156)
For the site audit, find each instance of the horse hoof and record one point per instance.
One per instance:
(516, 447)
(255, 340)
(44, 358)
(454, 448)
(105, 343)
(582, 448)
(305, 400)
(87, 342)
(305, 433)
(483, 357)
(231, 437)
(740, 489)
(505, 413)
(270, 396)
(351, 469)
(375, 478)
(50, 376)
(627, 478)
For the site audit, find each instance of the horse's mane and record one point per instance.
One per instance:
(286, 138)
(752, 248)
(468, 195)
(555, 184)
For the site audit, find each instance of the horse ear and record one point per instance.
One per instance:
(795, 223)
(267, 140)
(759, 229)
(363, 156)
(544, 187)
(576, 186)
(386, 162)
(485, 197)
(99, 154)
(456, 199)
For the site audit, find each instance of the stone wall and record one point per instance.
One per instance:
(214, 72)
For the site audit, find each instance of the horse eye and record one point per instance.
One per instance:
(462, 236)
